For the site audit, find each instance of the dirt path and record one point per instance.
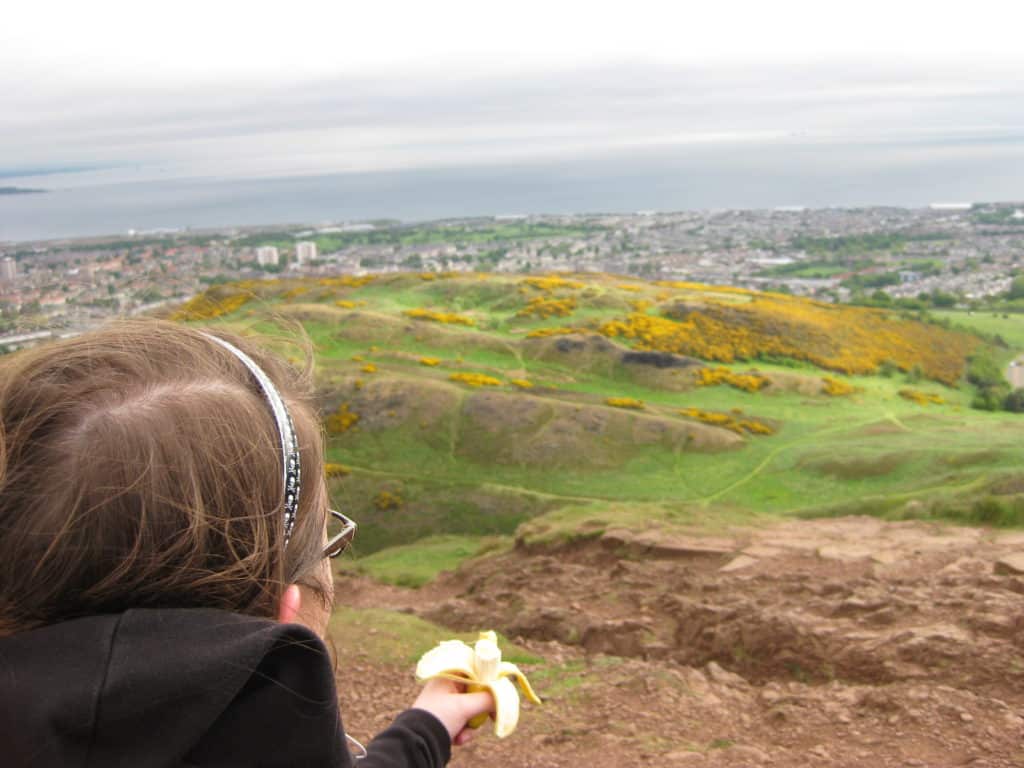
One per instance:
(847, 642)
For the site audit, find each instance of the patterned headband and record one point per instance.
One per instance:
(285, 428)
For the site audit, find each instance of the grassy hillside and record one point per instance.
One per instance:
(467, 405)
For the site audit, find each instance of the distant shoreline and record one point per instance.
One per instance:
(20, 191)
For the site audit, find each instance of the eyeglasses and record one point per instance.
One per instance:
(340, 531)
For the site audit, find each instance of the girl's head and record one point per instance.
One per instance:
(141, 466)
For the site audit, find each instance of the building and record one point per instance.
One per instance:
(267, 256)
(8, 270)
(305, 252)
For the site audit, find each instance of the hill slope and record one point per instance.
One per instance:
(471, 403)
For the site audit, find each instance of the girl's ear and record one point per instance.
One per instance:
(291, 603)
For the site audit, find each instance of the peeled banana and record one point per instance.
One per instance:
(481, 669)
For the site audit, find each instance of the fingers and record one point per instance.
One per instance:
(473, 704)
(464, 737)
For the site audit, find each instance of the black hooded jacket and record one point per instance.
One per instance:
(162, 688)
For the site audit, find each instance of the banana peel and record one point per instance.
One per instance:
(480, 668)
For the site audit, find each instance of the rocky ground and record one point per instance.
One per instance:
(848, 642)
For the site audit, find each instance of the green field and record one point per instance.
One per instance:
(498, 232)
(434, 459)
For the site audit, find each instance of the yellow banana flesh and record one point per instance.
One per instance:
(481, 669)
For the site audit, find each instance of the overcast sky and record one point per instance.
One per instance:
(225, 88)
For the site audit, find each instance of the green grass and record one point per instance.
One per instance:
(871, 452)
(1009, 327)
(413, 565)
(400, 638)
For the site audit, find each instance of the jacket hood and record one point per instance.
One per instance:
(154, 688)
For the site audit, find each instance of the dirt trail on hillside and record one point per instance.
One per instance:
(847, 642)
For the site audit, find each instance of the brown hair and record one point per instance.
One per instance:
(140, 466)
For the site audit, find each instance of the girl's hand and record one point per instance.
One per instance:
(446, 700)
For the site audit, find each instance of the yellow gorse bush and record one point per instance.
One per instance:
(846, 339)
(836, 388)
(387, 500)
(430, 361)
(541, 333)
(748, 382)
(475, 379)
(626, 402)
(551, 283)
(521, 383)
(345, 281)
(294, 293)
(544, 308)
(210, 305)
(332, 469)
(369, 368)
(449, 318)
(728, 421)
(341, 420)
(921, 398)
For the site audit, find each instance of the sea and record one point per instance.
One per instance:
(706, 177)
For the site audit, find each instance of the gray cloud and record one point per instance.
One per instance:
(368, 123)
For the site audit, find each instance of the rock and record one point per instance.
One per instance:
(738, 563)
(972, 565)
(886, 556)
(685, 757)
(762, 551)
(747, 754)
(723, 677)
(997, 624)
(1010, 564)
(820, 752)
(853, 606)
(666, 546)
(844, 554)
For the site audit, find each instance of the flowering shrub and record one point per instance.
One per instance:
(703, 288)
(476, 379)
(630, 288)
(728, 421)
(521, 383)
(429, 361)
(921, 398)
(550, 283)
(332, 469)
(851, 340)
(387, 500)
(626, 402)
(544, 308)
(347, 304)
(540, 333)
(209, 305)
(294, 293)
(449, 318)
(345, 281)
(836, 388)
(341, 420)
(748, 382)
(369, 368)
